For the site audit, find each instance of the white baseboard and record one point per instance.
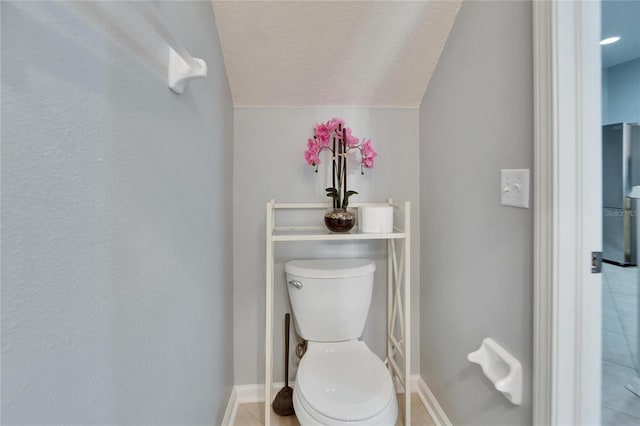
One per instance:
(255, 393)
(431, 404)
(232, 409)
(246, 394)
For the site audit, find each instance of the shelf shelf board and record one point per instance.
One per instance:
(319, 233)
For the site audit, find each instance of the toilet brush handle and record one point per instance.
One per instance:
(287, 319)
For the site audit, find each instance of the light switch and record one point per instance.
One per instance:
(514, 187)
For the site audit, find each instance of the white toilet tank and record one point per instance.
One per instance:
(330, 297)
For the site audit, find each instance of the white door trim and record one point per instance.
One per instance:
(567, 213)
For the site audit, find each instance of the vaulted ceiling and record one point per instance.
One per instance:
(338, 53)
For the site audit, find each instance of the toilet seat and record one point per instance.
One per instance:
(344, 382)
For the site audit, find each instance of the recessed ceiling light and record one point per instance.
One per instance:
(609, 40)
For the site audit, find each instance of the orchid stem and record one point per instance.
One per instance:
(345, 202)
(334, 170)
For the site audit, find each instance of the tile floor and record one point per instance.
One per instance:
(253, 414)
(619, 345)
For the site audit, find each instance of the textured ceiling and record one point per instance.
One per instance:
(339, 53)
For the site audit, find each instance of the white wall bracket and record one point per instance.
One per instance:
(181, 72)
(504, 371)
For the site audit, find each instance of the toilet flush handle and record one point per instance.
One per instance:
(296, 284)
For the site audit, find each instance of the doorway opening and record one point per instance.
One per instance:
(620, 401)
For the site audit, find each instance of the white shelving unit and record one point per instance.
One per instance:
(398, 357)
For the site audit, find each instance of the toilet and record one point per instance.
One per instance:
(340, 381)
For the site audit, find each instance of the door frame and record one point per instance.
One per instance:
(567, 212)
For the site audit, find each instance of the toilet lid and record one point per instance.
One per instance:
(344, 380)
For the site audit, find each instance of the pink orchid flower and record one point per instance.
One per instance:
(367, 163)
(322, 134)
(311, 158)
(334, 123)
(312, 146)
(350, 140)
(368, 153)
(311, 155)
(324, 142)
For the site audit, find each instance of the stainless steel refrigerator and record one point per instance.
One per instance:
(620, 171)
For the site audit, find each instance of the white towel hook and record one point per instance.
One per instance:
(182, 66)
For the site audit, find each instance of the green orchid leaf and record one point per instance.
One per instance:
(331, 192)
(345, 202)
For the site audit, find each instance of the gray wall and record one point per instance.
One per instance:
(477, 118)
(269, 163)
(116, 218)
(622, 88)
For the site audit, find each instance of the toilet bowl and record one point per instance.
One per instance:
(340, 381)
(343, 383)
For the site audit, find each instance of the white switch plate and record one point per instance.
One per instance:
(514, 187)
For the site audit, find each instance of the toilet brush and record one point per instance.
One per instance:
(283, 403)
